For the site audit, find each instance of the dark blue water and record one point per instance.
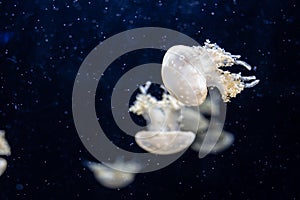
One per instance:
(42, 45)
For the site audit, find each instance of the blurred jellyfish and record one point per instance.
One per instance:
(4, 147)
(172, 126)
(191, 117)
(112, 178)
(163, 123)
(193, 120)
(224, 141)
(3, 165)
(188, 71)
(4, 151)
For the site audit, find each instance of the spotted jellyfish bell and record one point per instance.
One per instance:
(163, 118)
(188, 71)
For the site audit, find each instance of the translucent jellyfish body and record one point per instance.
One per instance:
(3, 165)
(112, 178)
(4, 151)
(173, 127)
(188, 71)
(163, 118)
(4, 147)
(194, 120)
(164, 143)
(224, 141)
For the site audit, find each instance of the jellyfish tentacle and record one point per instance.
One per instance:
(243, 63)
(252, 84)
(248, 78)
(145, 88)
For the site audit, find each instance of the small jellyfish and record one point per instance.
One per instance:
(3, 165)
(187, 72)
(4, 147)
(192, 116)
(163, 118)
(112, 178)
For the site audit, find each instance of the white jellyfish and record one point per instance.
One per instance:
(188, 71)
(194, 120)
(163, 118)
(4, 147)
(224, 141)
(4, 151)
(164, 143)
(112, 178)
(3, 165)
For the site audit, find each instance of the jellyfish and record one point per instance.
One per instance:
(112, 178)
(193, 119)
(187, 72)
(3, 166)
(224, 141)
(163, 135)
(4, 147)
(4, 151)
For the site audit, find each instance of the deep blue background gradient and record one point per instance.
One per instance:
(42, 45)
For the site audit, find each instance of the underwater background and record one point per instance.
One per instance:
(44, 42)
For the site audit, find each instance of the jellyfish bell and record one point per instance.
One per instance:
(112, 178)
(164, 143)
(4, 151)
(4, 146)
(224, 141)
(188, 71)
(184, 83)
(3, 165)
